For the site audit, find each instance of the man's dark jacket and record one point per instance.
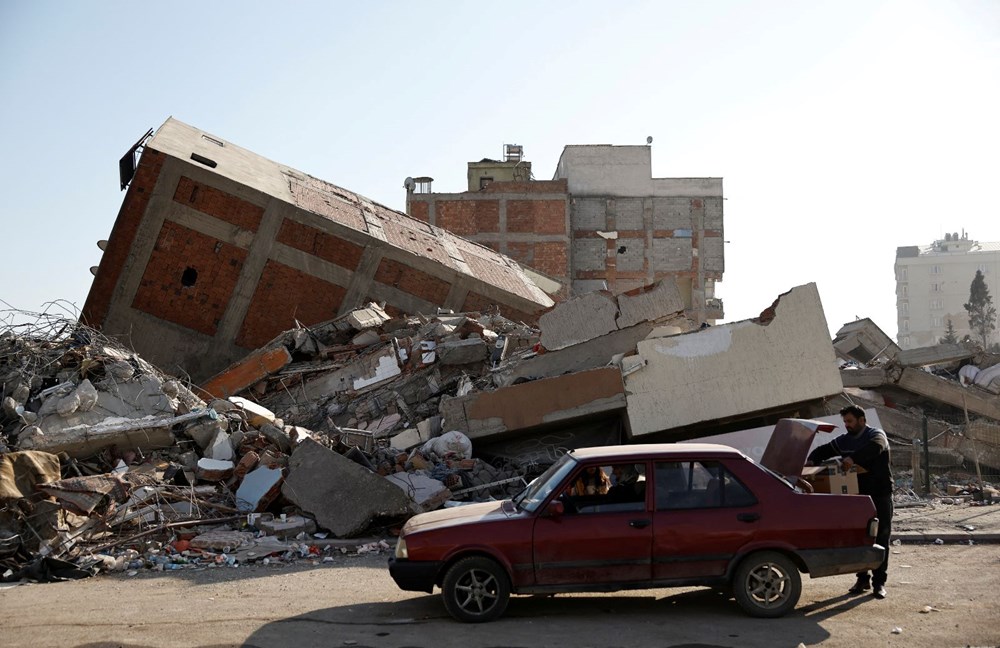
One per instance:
(870, 450)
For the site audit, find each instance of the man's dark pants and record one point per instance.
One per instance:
(883, 509)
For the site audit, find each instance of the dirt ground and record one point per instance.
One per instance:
(353, 602)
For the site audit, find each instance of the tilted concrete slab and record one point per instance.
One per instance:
(937, 354)
(863, 342)
(950, 392)
(863, 378)
(483, 415)
(343, 496)
(735, 369)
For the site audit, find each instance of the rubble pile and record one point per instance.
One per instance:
(109, 464)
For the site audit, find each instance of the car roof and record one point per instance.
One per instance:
(655, 450)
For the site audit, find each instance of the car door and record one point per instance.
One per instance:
(702, 516)
(597, 539)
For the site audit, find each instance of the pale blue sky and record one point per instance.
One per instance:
(842, 130)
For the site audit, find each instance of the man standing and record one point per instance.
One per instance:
(867, 447)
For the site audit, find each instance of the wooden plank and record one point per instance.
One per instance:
(255, 367)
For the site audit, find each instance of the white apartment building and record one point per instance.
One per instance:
(932, 285)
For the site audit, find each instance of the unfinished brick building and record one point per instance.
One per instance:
(603, 222)
(216, 250)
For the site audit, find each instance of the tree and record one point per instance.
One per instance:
(950, 337)
(982, 313)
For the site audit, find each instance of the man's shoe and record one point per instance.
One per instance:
(860, 586)
(879, 592)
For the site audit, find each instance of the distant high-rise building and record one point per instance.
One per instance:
(932, 285)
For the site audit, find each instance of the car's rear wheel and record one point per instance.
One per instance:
(476, 589)
(767, 584)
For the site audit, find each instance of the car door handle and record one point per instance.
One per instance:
(638, 524)
(748, 517)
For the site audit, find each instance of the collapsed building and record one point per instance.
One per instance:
(307, 366)
(216, 250)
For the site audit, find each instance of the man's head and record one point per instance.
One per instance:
(854, 418)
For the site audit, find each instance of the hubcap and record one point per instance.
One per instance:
(476, 591)
(768, 585)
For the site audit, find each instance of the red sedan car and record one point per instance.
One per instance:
(642, 516)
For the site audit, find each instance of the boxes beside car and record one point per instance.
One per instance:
(830, 479)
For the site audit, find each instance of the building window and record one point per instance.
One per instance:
(906, 342)
(904, 308)
(937, 322)
(935, 269)
(985, 269)
(903, 292)
(935, 287)
(937, 304)
(906, 325)
(483, 182)
(902, 275)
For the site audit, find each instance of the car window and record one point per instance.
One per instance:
(697, 484)
(542, 486)
(606, 489)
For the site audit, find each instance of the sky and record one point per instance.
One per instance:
(841, 130)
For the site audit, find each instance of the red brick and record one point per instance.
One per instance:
(465, 217)
(283, 296)
(420, 209)
(218, 203)
(412, 281)
(122, 235)
(325, 246)
(201, 306)
(536, 216)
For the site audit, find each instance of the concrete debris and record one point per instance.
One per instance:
(352, 425)
(342, 496)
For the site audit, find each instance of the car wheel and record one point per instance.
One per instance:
(475, 590)
(767, 584)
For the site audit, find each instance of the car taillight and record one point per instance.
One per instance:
(401, 548)
(873, 527)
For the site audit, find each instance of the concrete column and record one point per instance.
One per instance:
(362, 278)
(257, 256)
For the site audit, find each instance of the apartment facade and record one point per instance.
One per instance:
(602, 223)
(932, 285)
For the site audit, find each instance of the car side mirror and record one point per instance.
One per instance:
(555, 509)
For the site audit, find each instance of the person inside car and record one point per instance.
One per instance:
(592, 481)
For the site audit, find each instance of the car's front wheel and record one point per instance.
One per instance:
(476, 589)
(767, 584)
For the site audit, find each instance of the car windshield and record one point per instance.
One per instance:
(540, 488)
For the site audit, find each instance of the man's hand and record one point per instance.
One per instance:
(846, 464)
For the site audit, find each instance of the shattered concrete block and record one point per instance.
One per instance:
(380, 368)
(429, 428)
(277, 436)
(459, 352)
(343, 497)
(214, 470)
(366, 338)
(649, 304)
(372, 316)
(221, 449)
(937, 354)
(407, 439)
(863, 341)
(297, 433)
(425, 493)
(258, 489)
(290, 527)
(257, 415)
(204, 432)
(576, 320)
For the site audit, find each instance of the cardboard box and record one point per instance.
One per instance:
(830, 479)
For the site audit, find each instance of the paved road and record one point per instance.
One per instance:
(355, 603)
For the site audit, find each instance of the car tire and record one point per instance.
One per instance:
(475, 590)
(767, 584)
